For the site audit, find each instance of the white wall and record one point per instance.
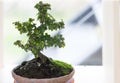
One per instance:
(1, 34)
(111, 40)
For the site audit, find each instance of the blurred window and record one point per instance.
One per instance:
(82, 30)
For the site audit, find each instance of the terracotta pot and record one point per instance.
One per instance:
(70, 81)
(63, 79)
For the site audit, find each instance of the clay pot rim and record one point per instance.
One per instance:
(68, 75)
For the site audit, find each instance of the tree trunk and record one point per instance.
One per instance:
(43, 58)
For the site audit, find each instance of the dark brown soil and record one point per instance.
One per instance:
(34, 69)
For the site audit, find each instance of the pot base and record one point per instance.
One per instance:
(69, 81)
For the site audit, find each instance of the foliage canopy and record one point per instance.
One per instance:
(38, 38)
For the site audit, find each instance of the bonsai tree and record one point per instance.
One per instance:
(38, 38)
